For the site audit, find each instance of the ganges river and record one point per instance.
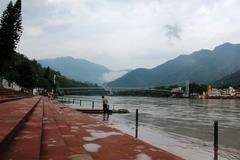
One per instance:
(181, 126)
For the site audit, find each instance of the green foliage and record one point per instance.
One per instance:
(26, 76)
(145, 93)
(197, 88)
(30, 74)
(204, 66)
(229, 80)
(16, 67)
(164, 91)
(161, 87)
(78, 69)
(62, 81)
(10, 33)
(166, 87)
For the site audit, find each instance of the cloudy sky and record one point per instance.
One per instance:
(126, 34)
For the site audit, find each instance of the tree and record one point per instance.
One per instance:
(26, 77)
(47, 73)
(17, 9)
(10, 33)
(4, 38)
(14, 66)
(197, 88)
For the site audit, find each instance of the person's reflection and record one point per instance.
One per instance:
(105, 117)
(215, 153)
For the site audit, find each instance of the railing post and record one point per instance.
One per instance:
(215, 140)
(136, 131)
(73, 101)
(92, 104)
(80, 102)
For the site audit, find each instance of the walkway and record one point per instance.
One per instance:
(43, 129)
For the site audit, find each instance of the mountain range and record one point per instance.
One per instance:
(82, 70)
(203, 66)
(229, 80)
(78, 69)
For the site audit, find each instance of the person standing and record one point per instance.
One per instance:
(105, 104)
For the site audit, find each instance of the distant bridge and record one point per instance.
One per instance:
(120, 89)
(83, 90)
(110, 90)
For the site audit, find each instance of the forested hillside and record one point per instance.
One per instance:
(16, 67)
(204, 66)
(229, 80)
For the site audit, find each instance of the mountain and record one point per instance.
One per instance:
(78, 69)
(229, 80)
(204, 66)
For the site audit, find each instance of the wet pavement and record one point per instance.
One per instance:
(51, 130)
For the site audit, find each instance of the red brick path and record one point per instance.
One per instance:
(54, 131)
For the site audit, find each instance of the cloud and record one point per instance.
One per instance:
(172, 32)
(119, 33)
(112, 75)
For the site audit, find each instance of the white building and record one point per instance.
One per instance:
(229, 91)
(8, 85)
(214, 93)
(238, 93)
(178, 90)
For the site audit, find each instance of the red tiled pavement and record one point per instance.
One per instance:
(27, 142)
(8, 99)
(113, 147)
(7, 95)
(69, 134)
(53, 144)
(12, 116)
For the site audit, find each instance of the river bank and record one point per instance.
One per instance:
(180, 124)
(40, 128)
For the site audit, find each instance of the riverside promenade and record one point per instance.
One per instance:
(39, 128)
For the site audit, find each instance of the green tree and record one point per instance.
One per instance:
(197, 88)
(17, 9)
(10, 33)
(47, 73)
(14, 66)
(26, 77)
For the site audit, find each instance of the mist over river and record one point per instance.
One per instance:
(181, 126)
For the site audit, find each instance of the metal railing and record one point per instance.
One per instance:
(93, 105)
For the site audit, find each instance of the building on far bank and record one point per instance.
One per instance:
(210, 88)
(177, 90)
(237, 93)
(214, 93)
(229, 92)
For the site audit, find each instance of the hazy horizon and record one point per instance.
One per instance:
(125, 70)
(125, 34)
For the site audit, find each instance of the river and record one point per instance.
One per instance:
(181, 126)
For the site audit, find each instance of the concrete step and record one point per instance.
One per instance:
(68, 132)
(53, 144)
(105, 143)
(8, 99)
(13, 115)
(27, 142)
(4, 91)
(7, 94)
